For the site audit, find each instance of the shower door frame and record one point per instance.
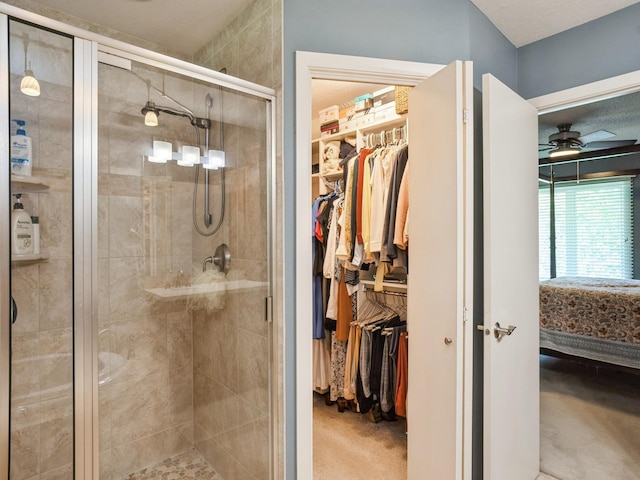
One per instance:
(88, 46)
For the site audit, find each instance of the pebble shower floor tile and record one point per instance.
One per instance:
(185, 466)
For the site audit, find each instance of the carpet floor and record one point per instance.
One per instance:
(589, 422)
(350, 447)
(589, 430)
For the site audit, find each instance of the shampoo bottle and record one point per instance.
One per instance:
(21, 230)
(21, 151)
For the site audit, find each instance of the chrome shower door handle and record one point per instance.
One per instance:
(14, 311)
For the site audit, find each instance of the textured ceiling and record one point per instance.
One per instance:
(525, 21)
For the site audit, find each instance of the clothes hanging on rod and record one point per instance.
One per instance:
(355, 229)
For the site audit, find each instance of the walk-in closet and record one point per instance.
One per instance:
(360, 276)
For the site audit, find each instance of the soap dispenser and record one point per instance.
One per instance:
(21, 229)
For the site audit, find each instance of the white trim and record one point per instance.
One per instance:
(310, 65)
(588, 93)
(119, 48)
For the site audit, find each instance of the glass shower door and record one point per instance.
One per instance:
(183, 272)
(41, 282)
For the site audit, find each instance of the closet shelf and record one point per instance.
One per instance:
(394, 120)
(21, 184)
(29, 258)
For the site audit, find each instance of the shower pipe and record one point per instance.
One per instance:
(205, 124)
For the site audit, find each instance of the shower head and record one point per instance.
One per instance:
(150, 112)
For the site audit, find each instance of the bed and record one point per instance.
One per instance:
(593, 318)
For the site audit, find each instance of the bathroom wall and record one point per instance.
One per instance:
(42, 337)
(250, 47)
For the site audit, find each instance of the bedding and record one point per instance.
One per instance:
(595, 318)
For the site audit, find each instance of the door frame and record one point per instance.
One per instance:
(309, 66)
(587, 93)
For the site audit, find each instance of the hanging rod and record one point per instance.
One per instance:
(370, 288)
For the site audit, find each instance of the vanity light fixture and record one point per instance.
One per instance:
(215, 160)
(187, 157)
(29, 84)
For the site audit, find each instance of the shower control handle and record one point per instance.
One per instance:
(14, 311)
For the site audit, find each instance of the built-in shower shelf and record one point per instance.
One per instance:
(21, 184)
(206, 288)
(29, 258)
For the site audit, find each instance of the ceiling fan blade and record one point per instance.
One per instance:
(597, 135)
(542, 147)
(610, 144)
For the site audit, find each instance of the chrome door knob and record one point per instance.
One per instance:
(499, 331)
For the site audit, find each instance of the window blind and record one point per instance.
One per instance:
(593, 228)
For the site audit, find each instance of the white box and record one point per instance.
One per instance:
(329, 114)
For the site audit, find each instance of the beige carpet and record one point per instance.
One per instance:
(347, 446)
(590, 422)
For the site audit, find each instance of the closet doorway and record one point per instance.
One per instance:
(354, 436)
(453, 451)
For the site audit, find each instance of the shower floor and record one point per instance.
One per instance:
(184, 466)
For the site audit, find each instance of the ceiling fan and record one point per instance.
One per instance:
(566, 143)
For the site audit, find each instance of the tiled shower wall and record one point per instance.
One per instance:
(130, 435)
(42, 337)
(231, 349)
(250, 47)
(144, 232)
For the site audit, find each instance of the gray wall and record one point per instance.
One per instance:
(432, 31)
(597, 50)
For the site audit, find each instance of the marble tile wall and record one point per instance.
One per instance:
(144, 227)
(42, 337)
(250, 47)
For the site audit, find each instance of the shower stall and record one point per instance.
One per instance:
(138, 339)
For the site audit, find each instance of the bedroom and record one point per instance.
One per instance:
(590, 309)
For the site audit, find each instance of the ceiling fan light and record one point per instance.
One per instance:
(564, 152)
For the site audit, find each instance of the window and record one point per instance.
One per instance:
(593, 228)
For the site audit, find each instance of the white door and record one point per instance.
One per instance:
(440, 272)
(440, 299)
(511, 372)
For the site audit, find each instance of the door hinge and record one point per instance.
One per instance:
(268, 309)
(465, 316)
(465, 115)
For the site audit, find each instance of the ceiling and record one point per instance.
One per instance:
(526, 21)
(187, 28)
(619, 115)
